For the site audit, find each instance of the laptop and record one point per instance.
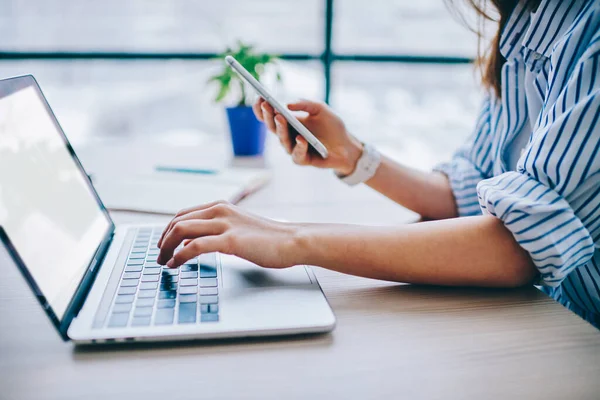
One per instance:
(100, 283)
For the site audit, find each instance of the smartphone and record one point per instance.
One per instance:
(293, 121)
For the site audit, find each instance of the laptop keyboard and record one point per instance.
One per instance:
(150, 294)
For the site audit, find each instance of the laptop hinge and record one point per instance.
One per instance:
(86, 283)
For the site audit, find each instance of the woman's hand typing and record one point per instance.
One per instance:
(222, 227)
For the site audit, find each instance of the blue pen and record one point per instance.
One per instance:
(161, 168)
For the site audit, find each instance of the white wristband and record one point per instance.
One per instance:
(365, 167)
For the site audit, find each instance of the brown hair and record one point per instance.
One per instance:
(489, 61)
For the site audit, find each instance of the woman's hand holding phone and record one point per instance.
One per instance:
(344, 149)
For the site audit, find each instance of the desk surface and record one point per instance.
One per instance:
(392, 340)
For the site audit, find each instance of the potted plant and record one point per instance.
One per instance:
(247, 132)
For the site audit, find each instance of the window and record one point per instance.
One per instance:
(397, 71)
(400, 27)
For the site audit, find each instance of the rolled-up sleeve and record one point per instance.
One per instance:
(551, 203)
(470, 164)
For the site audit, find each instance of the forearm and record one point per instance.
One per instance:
(426, 193)
(474, 251)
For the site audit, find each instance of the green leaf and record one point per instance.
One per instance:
(253, 61)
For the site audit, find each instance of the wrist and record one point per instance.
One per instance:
(298, 249)
(353, 152)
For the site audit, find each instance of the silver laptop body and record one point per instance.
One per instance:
(100, 283)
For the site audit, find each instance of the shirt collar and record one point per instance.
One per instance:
(512, 35)
(538, 31)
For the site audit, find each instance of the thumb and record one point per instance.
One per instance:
(311, 107)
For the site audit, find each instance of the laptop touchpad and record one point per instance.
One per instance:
(239, 273)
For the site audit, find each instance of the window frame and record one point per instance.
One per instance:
(327, 58)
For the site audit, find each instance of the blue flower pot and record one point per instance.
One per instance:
(247, 132)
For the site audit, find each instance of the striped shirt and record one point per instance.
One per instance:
(533, 160)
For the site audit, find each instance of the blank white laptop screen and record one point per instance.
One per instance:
(47, 208)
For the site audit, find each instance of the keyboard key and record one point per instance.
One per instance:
(142, 312)
(170, 272)
(138, 252)
(213, 308)
(135, 262)
(153, 252)
(153, 265)
(129, 283)
(133, 268)
(188, 298)
(149, 286)
(121, 308)
(151, 271)
(189, 274)
(209, 299)
(149, 278)
(188, 290)
(167, 295)
(209, 291)
(186, 268)
(207, 272)
(187, 313)
(165, 287)
(168, 303)
(137, 256)
(204, 308)
(146, 294)
(132, 275)
(139, 249)
(147, 302)
(151, 259)
(188, 282)
(140, 321)
(208, 282)
(124, 298)
(118, 320)
(169, 279)
(164, 316)
(127, 290)
(209, 317)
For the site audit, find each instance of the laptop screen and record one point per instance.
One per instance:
(47, 207)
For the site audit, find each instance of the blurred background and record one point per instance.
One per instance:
(398, 72)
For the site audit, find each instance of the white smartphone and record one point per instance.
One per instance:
(293, 121)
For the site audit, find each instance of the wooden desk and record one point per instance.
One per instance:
(391, 341)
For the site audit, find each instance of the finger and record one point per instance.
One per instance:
(186, 211)
(256, 107)
(300, 152)
(268, 115)
(311, 107)
(206, 214)
(312, 158)
(190, 229)
(215, 209)
(207, 244)
(281, 128)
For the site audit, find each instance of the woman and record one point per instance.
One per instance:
(519, 204)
